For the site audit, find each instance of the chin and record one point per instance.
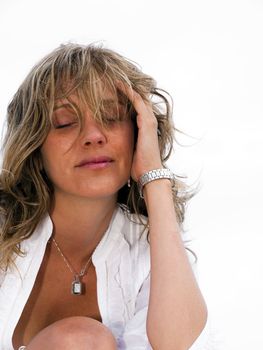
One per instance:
(100, 193)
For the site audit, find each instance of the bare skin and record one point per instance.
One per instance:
(78, 333)
(51, 292)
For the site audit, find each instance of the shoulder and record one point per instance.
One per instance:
(135, 234)
(134, 228)
(32, 249)
(125, 245)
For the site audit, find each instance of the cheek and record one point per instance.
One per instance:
(54, 148)
(122, 139)
(51, 153)
(129, 139)
(128, 149)
(47, 161)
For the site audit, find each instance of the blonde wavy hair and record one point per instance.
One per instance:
(25, 190)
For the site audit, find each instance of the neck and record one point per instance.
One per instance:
(79, 224)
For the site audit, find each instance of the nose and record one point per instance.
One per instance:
(93, 134)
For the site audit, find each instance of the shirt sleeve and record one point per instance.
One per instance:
(135, 337)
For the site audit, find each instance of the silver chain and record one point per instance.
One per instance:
(82, 271)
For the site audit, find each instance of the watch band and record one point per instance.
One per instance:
(152, 175)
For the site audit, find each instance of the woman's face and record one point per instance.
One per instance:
(93, 161)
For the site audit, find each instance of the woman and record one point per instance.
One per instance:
(91, 249)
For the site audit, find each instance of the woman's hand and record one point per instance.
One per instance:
(147, 153)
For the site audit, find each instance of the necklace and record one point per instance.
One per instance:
(77, 286)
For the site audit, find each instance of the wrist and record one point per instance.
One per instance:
(157, 188)
(154, 175)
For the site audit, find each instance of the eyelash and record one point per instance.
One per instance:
(109, 119)
(62, 126)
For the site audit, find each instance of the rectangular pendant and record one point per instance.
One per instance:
(76, 288)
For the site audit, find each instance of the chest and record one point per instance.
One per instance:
(51, 299)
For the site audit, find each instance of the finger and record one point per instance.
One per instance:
(142, 108)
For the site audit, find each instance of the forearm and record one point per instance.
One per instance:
(177, 311)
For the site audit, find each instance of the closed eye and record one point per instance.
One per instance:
(111, 119)
(66, 125)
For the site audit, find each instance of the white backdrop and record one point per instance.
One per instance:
(209, 56)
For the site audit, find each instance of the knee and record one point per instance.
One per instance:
(80, 333)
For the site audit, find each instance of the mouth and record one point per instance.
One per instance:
(95, 162)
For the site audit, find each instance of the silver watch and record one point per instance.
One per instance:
(154, 175)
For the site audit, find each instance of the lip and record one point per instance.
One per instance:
(95, 162)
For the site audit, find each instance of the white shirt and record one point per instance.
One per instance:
(122, 263)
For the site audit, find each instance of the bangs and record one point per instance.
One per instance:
(88, 82)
